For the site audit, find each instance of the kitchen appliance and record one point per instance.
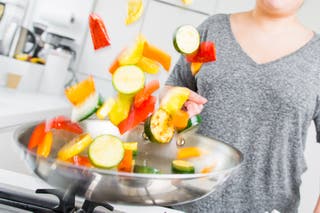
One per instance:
(164, 189)
(13, 13)
(24, 42)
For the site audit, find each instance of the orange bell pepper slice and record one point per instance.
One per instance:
(126, 164)
(195, 67)
(44, 148)
(78, 93)
(180, 120)
(188, 152)
(154, 53)
(37, 136)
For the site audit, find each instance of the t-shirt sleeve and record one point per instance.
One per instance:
(317, 119)
(181, 75)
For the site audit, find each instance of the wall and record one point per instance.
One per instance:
(158, 25)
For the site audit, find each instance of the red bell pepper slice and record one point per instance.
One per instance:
(63, 123)
(98, 32)
(44, 148)
(138, 115)
(206, 53)
(37, 136)
(126, 164)
(145, 93)
(81, 161)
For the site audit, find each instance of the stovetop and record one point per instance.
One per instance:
(24, 193)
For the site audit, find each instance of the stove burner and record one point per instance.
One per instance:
(36, 204)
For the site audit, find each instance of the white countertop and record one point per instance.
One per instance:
(18, 107)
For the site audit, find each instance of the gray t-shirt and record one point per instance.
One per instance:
(264, 110)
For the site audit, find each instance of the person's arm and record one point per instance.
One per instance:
(317, 209)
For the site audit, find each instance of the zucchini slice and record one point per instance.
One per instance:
(128, 79)
(145, 170)
(182, 167)
(159, 127)
(86, 109)
(186, 39)
(106, 151)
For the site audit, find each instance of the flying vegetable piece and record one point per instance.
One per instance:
(37, 136)
(120, 109)
(138, 115)
(132, 54)
(148, 65)
(154, 53)
(44, 148)
(206, 53)
(174, 99)
(63, 123)
(126, 165)
(135, 10)
(98, 32)
(146, 92)
(195, 67)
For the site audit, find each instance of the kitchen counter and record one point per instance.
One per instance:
(18, 107)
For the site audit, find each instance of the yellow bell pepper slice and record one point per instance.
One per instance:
(44, 148)
(148, 65)
(135, 10)
(104, 110)
(74, 147)
(120, 109)
(132, 54)
(173, 101)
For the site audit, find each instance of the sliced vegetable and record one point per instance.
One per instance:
(98, 32)
(188, 152)
(186, 39)
(104, 110)
(74, 147)
(78, 93)
(126, 164)
(182, 167)
(87, 108)
(120, 109)
(174, 99)
(106, 151)
(132, 54)
(133, 146)
(192, 122)
(63, 123)
(187, 2)
(145, 170)
(180, 120)
(159, 128)
(154, 53)
(148, 65)
(206, 53)
(128, 79)
(135, 10)
(146, 92)
(195, 67)
(208, 169)
(44, 148)
(37, 136)
(79, 160)
(138, 115)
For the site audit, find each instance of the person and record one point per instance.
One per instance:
(260, 95)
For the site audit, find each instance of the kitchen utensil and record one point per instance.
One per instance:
(23, 43)
(147, 189)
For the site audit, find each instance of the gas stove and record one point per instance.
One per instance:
(24, 193)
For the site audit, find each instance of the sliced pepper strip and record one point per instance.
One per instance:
(126, 164)
(145, 93)
(206, 53)
(135, 10)
(180, 120)
(44, 148)
(79, 160)
(98, 32)
(63, 123)
(78, 93)
(120, 109)
(148, 65)
(132, 54)
(195, 67)
(188, 152)
(154, 53)
(37, 136)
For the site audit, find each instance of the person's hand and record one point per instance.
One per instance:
(317, 209)
(195, 103)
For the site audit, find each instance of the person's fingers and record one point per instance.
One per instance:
(193, 108)
(197, 98)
